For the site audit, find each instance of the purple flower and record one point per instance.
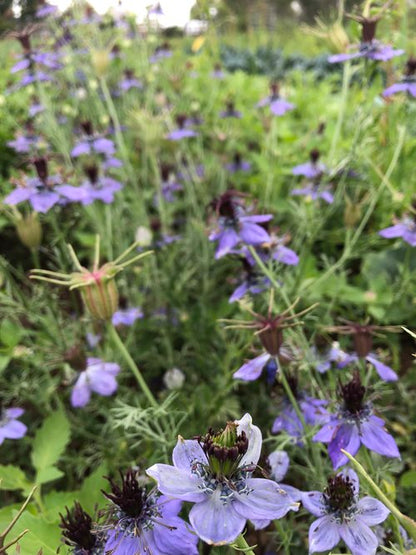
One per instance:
(182, 132)
(217, 72)
(313, 412)
(322, 361)
(92, 143)
(145, 522)
(160, 53)
(79, 534)
(46, 10)
(314, 192)
(24, 143)
(238, 164)
(129, 81)
(369, 47)
(99, 377)
(214, 472)
(95, 187)
(385, 372)
(235, 227)
(405, 228)
(40, 191)
(278, 106)
(354, 424)
(312, 169)
(126, 317)
(10, 427)
(230, 111)
(408, 82)
(343, 516)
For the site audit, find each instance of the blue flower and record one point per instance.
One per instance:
(215, 473)
(343, 516)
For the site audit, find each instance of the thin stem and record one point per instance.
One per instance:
(132, 365)
(240, 544)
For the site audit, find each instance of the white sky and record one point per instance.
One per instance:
(177, 12)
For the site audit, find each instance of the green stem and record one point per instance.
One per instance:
(241, 545)
(132, 365)
(408, 524)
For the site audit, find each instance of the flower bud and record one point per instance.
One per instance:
(352, 213)
(29, 230)
(174, 378)
(100, 296)
(100, 61)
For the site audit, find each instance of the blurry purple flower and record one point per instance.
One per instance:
(343, 516)
(35, 108)
(234, 226)
(408, 82)
(10, 427)
(354, 424)
(95, 187)
(111, 162)
(404, 228)
(145, 522)
(182, 132)
(160, 53)
(129, 81)
(126, 317)
(230, 111)
(322, 361)
(45, 10)
(370, 47)
(99, 377)
(278, 106)
(253, 284)
(238, 164)
(314, 192)
(217, 72)
(33, 77)
(156, 9)
(313, 169)
(42, 192)
(24, 143)
(93, 145)
(93, 339)
(214, 472)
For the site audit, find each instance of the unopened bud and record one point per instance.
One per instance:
(352, 213)
(174, 378)
(143, 236)
(29, 230)
(100, 61)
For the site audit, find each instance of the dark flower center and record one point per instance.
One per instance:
(368, 31)
(76, 526)
(75, 356)
(91, 171)
(314, 155)
(41, 166)
(339, 494)
(131, 498)
(224, 450)
(87, 127)
(353, 394)
(410, 67)
(180, 120)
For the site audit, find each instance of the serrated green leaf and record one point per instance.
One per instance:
(42, 535)
(50, 440)
(48, 475)
(55, 503)
(90, 493)
(13, 478)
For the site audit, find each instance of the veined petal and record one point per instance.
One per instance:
(174, 537)
(385, 372)
(264, 500)
(177, 482)
(372, 511)
(327, 432)
(81, 392)
(323, 534)
(102, 383)
(186, 451)
(375, 438)
(348, 438)
(359, 538)
(227, 240)
(215, 522)
(253, 234)
(254, 437)
(252, 369)
(313, 502)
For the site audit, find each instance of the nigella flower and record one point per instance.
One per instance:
(127, 316)
(215, 473)
(230, 111)
(322, 360)
(363, 342)
(313, 411)
(370, 47)
(142, 522)
(404, 228)
(92, 143)
(45, 9)
(182, 132)
(161, 52)
(10, 427)
(407, 83)
(95, 187)
(238, 164)
(36, 107)
(129, 81)
(40, 191)
(270, 332)
(278, 106)
(312, 169)
(253, 282)
(24, 143)
(78, 532)
(314, 192)
(98, 377)
(343, 516)
(354, 424)
(156, 9)
(234, 226)
(217, 72)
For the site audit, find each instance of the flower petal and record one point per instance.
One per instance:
(265, 500)
(13, 429)
(279, 463)
(323, 534)
(252, 369)
(174, 537)
(215, 522)
(313, 502)
(372, 511)
(348, 438)
(81, 392)
(254, 437)
(359, 538)
(186, 451)
(385, 372)
(375, 438)
(177, 482)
